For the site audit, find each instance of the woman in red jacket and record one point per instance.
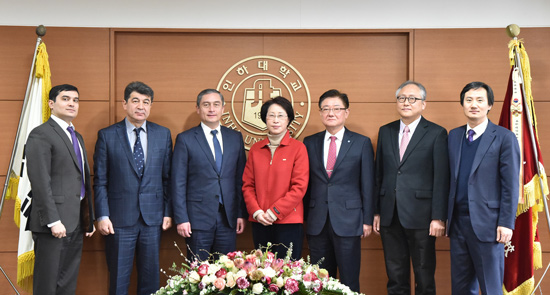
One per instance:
(275, 181)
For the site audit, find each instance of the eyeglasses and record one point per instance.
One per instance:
(273, 116)
(411, 99)
(334, 110)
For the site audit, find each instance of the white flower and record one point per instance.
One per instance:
(257, 288)
(208, 280)
(213, 268)
(269, 272)
(194, 277)
(280, 282)
(241, 274)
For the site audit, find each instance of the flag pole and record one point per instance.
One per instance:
(40, 32)
(513, 31)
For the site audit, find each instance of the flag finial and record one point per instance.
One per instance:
(41, 31)
(512, 30)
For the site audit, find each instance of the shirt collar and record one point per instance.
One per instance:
(130, 127)
(412, 126)
(61, 122)
(339, 135)
(207, 129)
(479, 129)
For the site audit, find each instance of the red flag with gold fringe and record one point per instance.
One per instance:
(523, 253)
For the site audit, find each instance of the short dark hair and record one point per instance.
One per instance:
(476, 85)
(334, 93)
(54, 92)
(140, 88)
(410, 82)
(208, 91)
(281, 101)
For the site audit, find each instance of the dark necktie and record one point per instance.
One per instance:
(331, 159)
(139, 158)
(76, 148)
(471, 133)
(217, 150)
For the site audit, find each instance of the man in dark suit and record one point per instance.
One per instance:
(207, 171)
(61, 195)
(131, 184)
(485, 164)
(412, 183)
(339, 200)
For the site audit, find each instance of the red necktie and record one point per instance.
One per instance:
(331, 155)
(404, 142)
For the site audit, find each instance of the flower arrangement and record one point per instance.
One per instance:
(258, 272)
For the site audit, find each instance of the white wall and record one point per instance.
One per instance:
(277, 14)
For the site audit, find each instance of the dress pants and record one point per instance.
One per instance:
(402, 245)
(57, 262)
(342, 253)
(143, 241)
(473, 261)
(280, 235)
(205, 244)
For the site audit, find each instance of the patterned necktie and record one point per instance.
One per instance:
(217, 150)
(76, 148)
(331, 159)
(404, 142)
(139, 157)
(471, 133)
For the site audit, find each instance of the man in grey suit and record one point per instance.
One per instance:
(131, 185)
(207, 171)
(339, 200)
(412, 183)
(61, 196)
(485, 164)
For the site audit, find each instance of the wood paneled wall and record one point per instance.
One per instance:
(367, 64)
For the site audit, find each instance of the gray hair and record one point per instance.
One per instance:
(410, 82)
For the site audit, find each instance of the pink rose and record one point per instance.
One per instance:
(309, 277)
(251, 258)
(221, 273)
(277, 264)
(273, 288)
(233, 255)
(239, 262)
(219, 283)
(249, 267)
(291, 285)
(203, 270)
(317, 286)
(242, 283)
(266, 280)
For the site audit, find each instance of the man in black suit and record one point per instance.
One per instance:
(340, 195)
(412, 185)
(61, 196)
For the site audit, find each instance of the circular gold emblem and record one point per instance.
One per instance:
(251, 82)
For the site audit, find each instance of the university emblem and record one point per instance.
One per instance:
(251, 82)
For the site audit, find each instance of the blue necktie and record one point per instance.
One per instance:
(138, 152)
(217, 150)
(76, 148)
(471, 133)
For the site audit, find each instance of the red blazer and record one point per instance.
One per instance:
(278, 184)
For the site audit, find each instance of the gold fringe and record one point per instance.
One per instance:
(17, 212)
(524, 289)
(43, 71)
(11, 191)
(537, 255)
(25, 268)
(532, 193)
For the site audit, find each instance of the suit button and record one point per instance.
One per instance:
(216, 196)
(399, 172)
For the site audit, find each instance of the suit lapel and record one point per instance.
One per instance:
(123, 137)
(226, 147)
(394, 139)
(461, 136)
(201, 140)
(487, 139)
(415, 139)
(347, 141)
(151, 144)
(61, 133)
(320, 151)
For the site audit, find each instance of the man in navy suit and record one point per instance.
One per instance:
(131, 184)
(339, 200)
(207, 170)
(485, 163)
(412, 187)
